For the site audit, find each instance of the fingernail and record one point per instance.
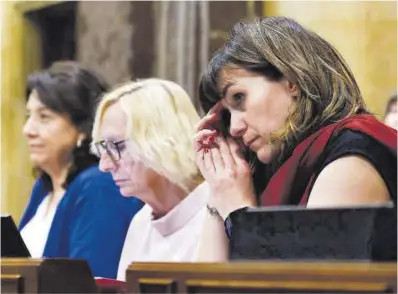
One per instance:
(211, 139)
(206, 150)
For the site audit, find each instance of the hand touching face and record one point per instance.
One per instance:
(223, 166)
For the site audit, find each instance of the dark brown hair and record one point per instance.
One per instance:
(68, 88)
(278, 48)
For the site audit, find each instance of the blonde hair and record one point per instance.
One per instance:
(161, 122)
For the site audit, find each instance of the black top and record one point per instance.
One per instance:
(356, 143)
(350, 142)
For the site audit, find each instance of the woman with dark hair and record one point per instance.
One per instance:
(285, 96)
(75, 211)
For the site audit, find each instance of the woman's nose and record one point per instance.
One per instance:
(237, 126)
(106, 164)
(29, 129)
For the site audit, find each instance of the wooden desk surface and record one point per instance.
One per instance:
(262, 276)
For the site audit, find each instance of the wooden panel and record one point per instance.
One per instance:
(11, 284)
(47, 276)
(265, 277)
(157, 286)
(237, 286)
(27, 270)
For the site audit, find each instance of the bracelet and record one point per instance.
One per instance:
(212, 210)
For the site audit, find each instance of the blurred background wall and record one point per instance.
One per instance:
(174, 40)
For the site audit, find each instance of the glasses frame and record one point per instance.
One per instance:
(104, 145)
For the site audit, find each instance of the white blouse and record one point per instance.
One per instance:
(35, 232)
(172, 238)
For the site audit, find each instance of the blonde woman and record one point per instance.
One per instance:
(143, 132)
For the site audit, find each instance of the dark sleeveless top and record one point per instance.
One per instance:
(355, 143)
(360, 135)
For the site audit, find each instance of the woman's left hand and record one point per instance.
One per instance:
(228, 174)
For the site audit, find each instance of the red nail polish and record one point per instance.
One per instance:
(211, 139)
(206, 150)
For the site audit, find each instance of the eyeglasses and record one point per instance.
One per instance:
(113, 149)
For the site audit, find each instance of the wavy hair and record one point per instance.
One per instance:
(278, 48)
(161, 122)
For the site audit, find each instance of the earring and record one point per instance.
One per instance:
(79, 143)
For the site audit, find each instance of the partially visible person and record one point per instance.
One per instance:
(75, 211)
(143, 132)
(284, 95)
(391, 113)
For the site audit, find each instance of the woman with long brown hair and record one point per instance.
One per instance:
(286, 125)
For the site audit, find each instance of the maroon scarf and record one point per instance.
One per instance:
(293, 181)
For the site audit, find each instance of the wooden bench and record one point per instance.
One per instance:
(24, 275)
(262, 277)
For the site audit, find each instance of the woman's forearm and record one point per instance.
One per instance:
(213, 245)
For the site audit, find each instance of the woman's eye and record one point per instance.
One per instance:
(238, 98)
(122, 146)
(44, 116)
(112, 146)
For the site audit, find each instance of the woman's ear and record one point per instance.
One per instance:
(82, 136)
(292, 88)
(80, 139)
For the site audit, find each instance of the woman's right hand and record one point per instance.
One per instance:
(223, 166)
